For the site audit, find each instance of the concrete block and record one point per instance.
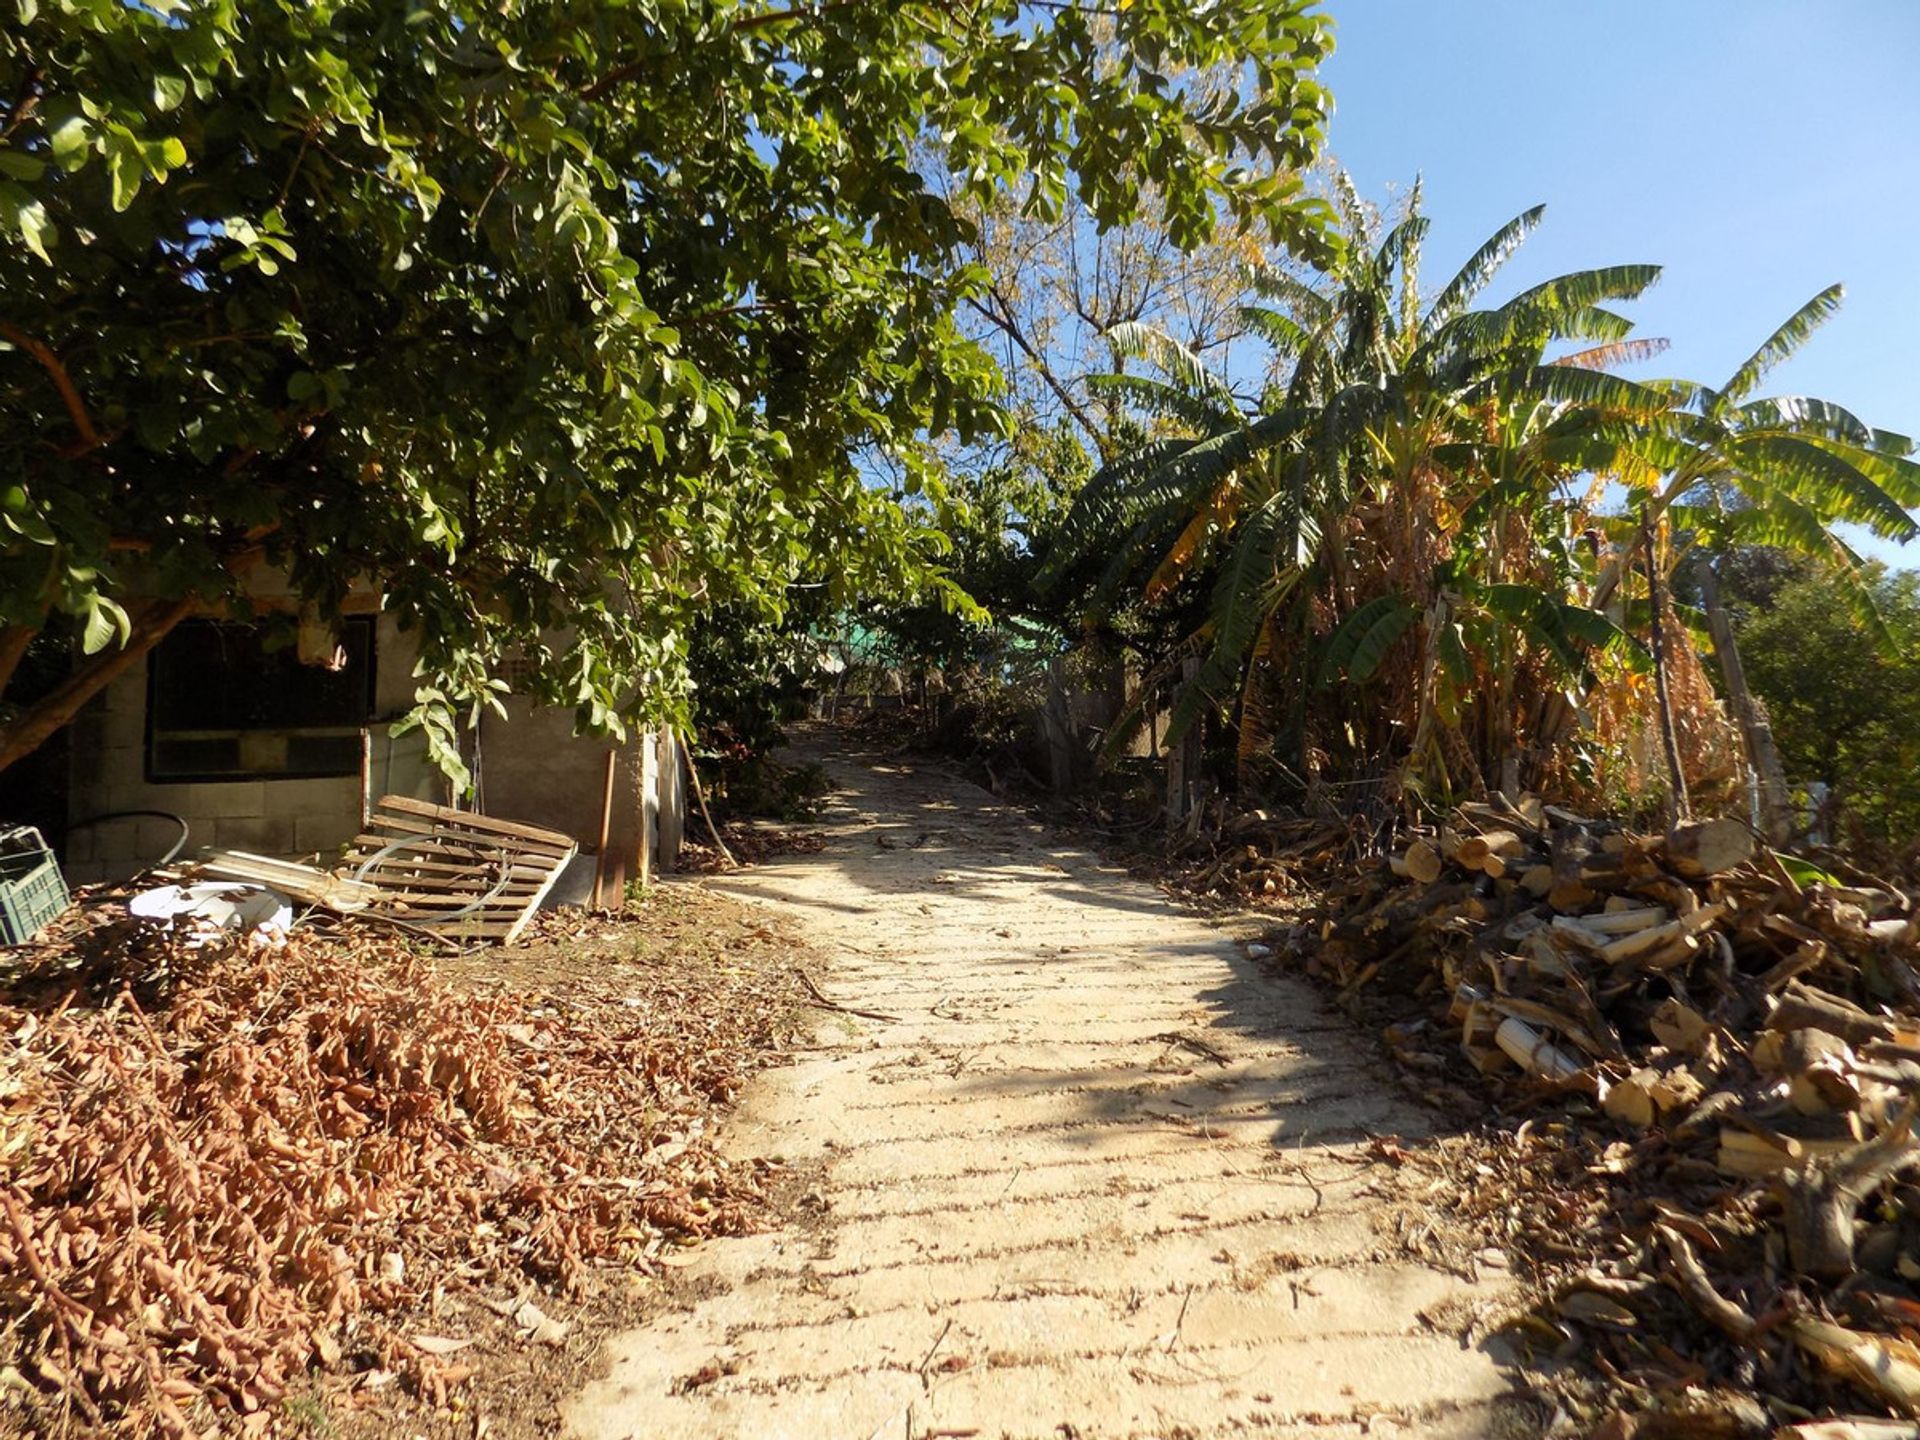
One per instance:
(128, 694)
(332, 795)
(261, 834)
(90, 872)
(323, 834)
(107, 773)
(154, 838)
(124, 728)
(224, 799)
(88, 730)
(116, 842)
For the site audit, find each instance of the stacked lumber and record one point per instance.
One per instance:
(1739, 1029)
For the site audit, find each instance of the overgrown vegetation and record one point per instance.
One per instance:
(556, 324)
(1843, 697)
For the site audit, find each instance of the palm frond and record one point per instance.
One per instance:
(1895, 474)
(1583, 289)
(1361, 641)
(1205, 412)
(1217, 515)
(1782, 343)
(1311, 307)
(1806, 415)
(1134, 339)
(1479, 270)
(1831, 484)
(1253, 580)
(1617, 352)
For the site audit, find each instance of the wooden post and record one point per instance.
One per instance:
(1676, 776)
(1756, 730)
(648, 803)
(671, 803)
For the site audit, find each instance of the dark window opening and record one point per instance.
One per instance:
(222, 706)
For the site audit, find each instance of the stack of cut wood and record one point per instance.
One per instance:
(1255, 854)
(1743, 1027)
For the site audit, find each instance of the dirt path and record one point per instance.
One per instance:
(1098, 1177)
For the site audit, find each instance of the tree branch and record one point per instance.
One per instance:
(14, 640)
(62, 381)
(1010, 327)
(633, 69)
(44, 719)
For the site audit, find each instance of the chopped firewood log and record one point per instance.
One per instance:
(1421, 862)
(1630, 1101)
(1626, 920)
(1679, 1027)
(1711, 847)
(1822, 1200)
(1850, 1427)
(1490, 852)
(1883, 1366)
(1761, 1035)
(1571, 896)
(1643, 942)
(1649, 1093)
(1803, 1007)
(1534, 1052)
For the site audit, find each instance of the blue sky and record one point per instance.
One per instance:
(1757, 149)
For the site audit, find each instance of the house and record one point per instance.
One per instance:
(282, 752)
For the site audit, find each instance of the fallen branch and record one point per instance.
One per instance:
(1822, 1198)
(820, 999)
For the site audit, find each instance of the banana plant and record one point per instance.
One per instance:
(1395, 491)
(1728, 469)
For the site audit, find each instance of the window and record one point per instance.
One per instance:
(222, 706)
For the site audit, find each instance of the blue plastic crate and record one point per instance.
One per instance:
(32, 889)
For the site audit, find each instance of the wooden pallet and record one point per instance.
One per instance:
(461, 875)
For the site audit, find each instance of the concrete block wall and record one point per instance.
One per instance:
(291, 818)
(533, 769)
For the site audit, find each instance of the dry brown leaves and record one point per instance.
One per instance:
(213, 1163)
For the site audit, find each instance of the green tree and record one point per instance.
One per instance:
(1722, 469)
(555, 322)
(1841, 700)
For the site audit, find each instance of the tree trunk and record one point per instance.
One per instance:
(1776, 810)
(14, 640)
(43, 719)
(1676, 776)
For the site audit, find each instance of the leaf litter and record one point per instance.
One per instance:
(235, 1178)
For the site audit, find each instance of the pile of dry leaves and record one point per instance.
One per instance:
(1716, 1052)
(221, 1165)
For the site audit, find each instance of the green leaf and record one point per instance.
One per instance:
(168, 92)
(105, 623)
(1363, 639)
(21, 212)
(125, 170)
(1779, 346)
(70, 141)
(1481, 268)
(1805, 872)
